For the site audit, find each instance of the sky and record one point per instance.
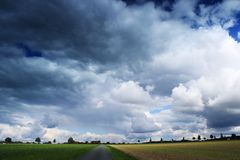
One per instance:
(119, 70)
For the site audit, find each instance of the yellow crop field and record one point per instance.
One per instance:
(214, 150)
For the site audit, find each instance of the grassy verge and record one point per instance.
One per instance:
(119, 155)
(43, 151)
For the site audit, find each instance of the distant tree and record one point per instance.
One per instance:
(161, 140)
(204, 138)
(150, 140)
(233, 136)
(138, 141)
(54, 141)
(211, 136)
(193, 138)
(38, 140)
(70, 140)
(221, 136)
(183, 139)
(199, 137)
(8, 140)
(19, 142)
(49, 142)
(97, 142)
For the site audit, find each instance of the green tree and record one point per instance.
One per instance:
(8, 140)
(54, 141)
(221, 136)
(199, 137)
(183, 139)
(211, 136)
(193, 138)
(38, 140)
(70, 140)
(234, 136)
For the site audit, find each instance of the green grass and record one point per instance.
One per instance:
(119, 155)
(220, 150)
(43, 151)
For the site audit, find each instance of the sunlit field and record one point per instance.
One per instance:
(220, 150)
(43, 151)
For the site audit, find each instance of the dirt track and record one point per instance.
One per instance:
(99, 153)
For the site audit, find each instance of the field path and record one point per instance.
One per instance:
(99, 153)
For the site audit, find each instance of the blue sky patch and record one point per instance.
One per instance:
(233, 31)
(158, 110)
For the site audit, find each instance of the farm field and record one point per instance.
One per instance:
(119, 155)
(221, 150)
(43, 151)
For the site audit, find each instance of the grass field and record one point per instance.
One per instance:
(119, 155)
(222, 150)
(43, 151)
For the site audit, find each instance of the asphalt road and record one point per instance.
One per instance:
(99, 153)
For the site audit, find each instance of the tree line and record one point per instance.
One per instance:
(198, 138)
(54, 141)
(72, 141)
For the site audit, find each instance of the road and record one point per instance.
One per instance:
(99, 153)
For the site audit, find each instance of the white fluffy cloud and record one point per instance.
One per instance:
(63, 135)
(24, 133)
(131, 93)
(187, 100)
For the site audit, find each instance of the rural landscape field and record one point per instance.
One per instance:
(223, 150)
(220, 150)
(43, 151)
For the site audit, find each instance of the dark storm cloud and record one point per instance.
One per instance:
(168, 4)
(223, 115)
(87, 32)
(75, 27)
(209, 2)
(165, 4)
(32, 81)
(49, 25)
(161, 2)
(28, 51)
(49, 122)
(7, 51)
(220, 118)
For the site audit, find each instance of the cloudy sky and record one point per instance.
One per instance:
(119, 70)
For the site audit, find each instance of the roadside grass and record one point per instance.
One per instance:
(119, 155)
(43, 151)
(213, 150)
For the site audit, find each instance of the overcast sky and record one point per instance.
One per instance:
(119, 70)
